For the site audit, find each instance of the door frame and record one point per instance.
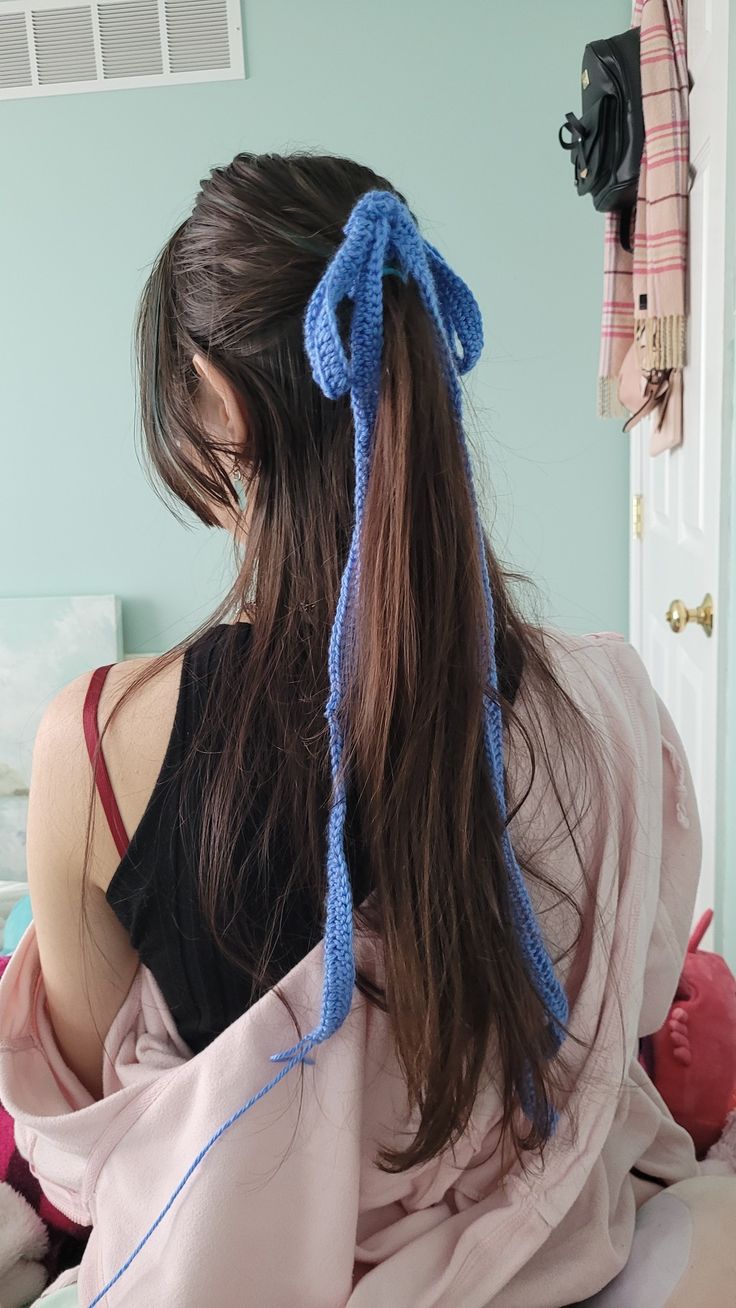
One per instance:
(725, 624)
(726, 745)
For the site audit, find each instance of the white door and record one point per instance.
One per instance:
(677, 556)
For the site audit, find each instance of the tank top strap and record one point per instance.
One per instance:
(100, 773)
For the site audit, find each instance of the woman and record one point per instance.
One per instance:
(492, 829)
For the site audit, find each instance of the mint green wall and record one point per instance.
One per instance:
(459, 104)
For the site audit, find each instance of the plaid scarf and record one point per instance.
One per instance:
(644, 291)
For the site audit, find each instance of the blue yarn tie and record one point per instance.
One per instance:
(382, 239)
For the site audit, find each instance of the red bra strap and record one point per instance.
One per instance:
(99, 767)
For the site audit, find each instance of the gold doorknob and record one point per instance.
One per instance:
(678, 615)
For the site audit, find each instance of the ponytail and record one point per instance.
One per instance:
(414, 711)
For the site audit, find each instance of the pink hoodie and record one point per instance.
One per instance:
(289, 1209)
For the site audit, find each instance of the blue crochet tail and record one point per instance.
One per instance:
(381, 237)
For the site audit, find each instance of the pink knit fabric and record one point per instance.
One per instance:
(16, 1172)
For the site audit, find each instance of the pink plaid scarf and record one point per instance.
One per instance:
(644, 292)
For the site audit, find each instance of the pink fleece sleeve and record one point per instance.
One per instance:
(680, 871)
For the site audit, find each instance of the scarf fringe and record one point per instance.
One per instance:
(609, 405)
(661, 341)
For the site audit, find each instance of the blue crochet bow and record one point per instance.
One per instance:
(381, 236)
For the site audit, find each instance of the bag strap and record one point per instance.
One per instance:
(625, 228)
(578, 144)
(577, 131)
(100, 773)
(656, 394)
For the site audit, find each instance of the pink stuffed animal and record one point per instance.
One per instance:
(692, 1060)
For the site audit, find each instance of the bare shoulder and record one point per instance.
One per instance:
(135, 714)
(61, 723)
(144, 700)
(139, 691)
(60, 771)
(87, 959)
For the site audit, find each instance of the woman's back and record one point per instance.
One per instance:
(149, 874)
(304, 1213)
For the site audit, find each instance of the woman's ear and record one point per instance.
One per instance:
(219, 405)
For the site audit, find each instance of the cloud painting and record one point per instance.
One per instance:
(44, 644)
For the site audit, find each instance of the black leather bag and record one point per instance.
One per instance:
(606, 142)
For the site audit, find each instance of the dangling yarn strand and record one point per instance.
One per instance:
(381, 238)
(381, 232)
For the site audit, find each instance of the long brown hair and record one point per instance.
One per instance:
(232, 284)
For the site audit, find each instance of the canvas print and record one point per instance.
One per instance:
(44, 643)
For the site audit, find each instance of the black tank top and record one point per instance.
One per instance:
(155, 895)
(154, 892)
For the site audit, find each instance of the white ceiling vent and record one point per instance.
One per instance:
(50, 47)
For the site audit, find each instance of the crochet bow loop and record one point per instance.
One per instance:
(381, 230)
